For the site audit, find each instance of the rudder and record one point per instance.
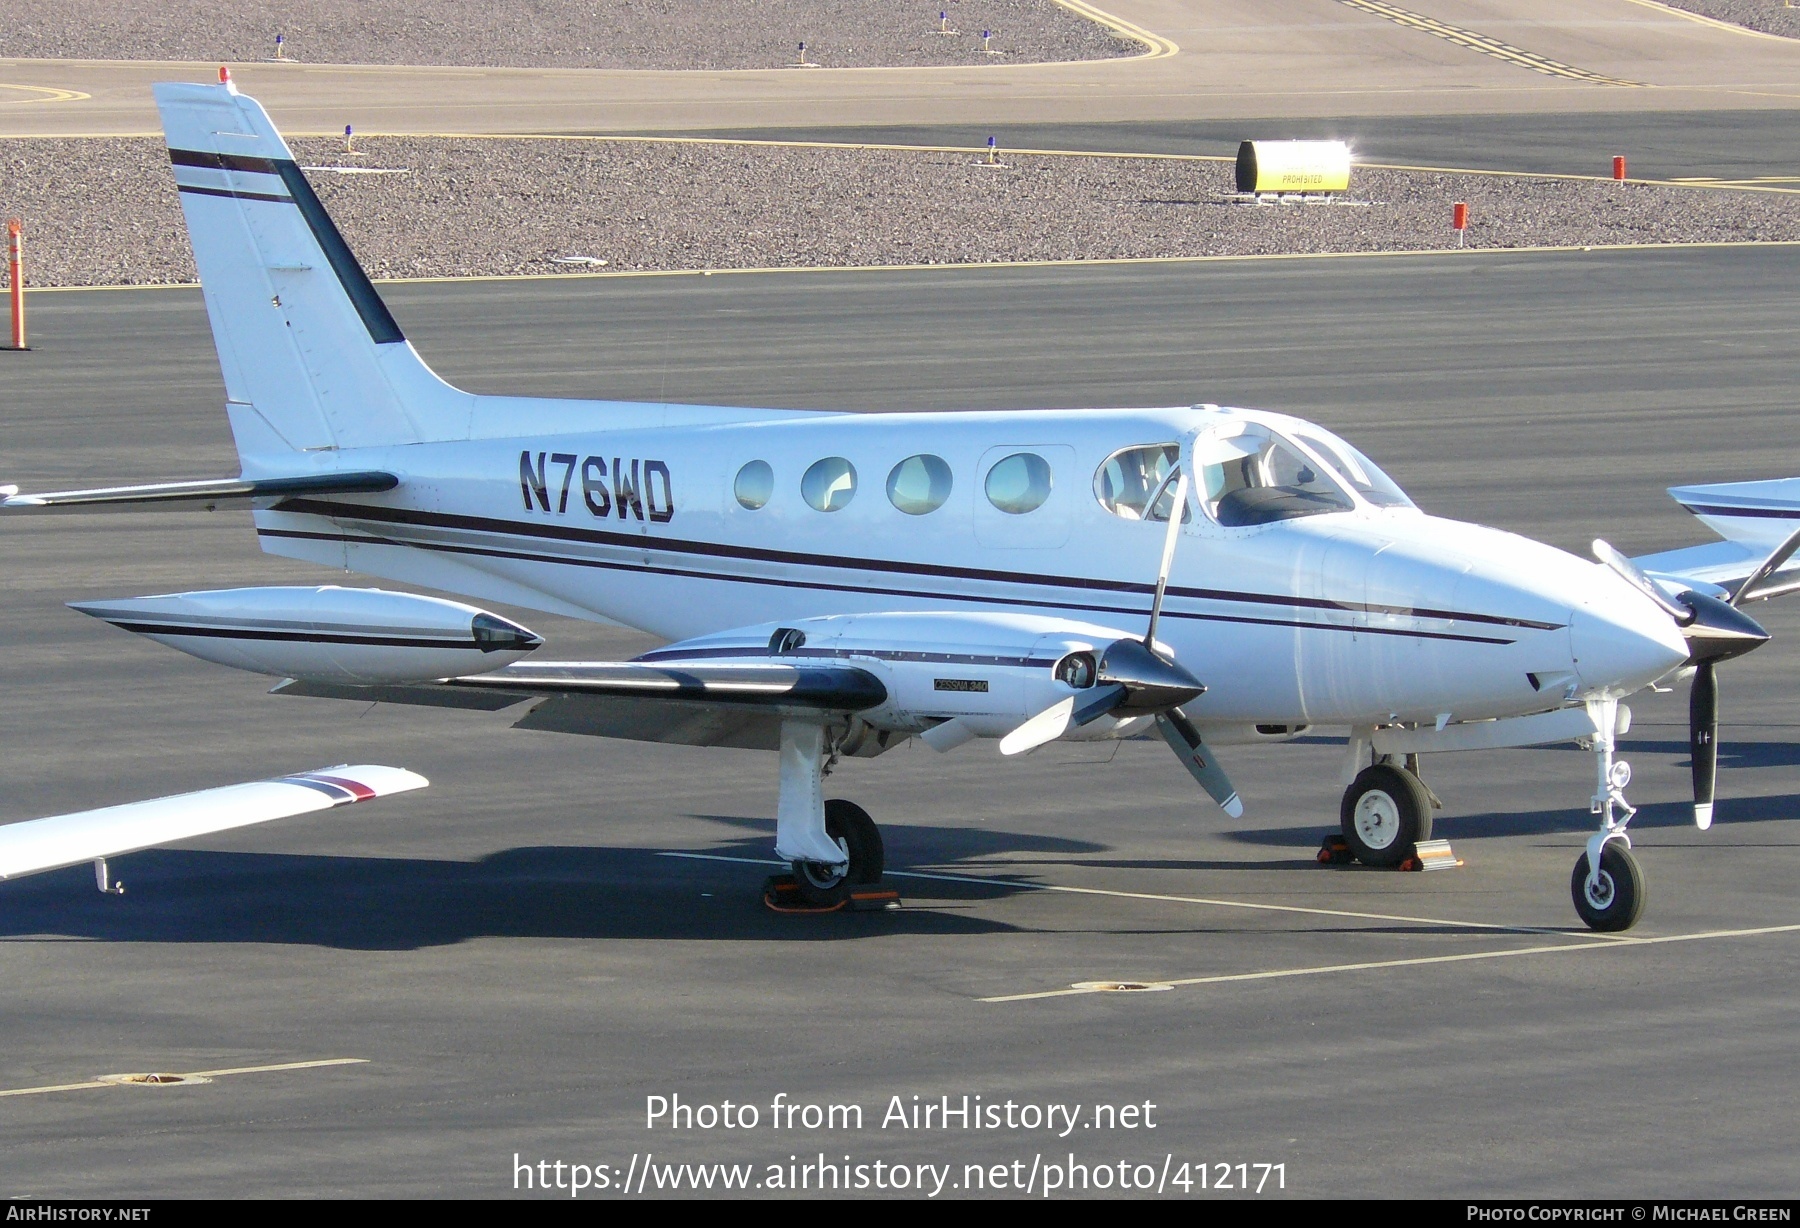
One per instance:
(311, 356)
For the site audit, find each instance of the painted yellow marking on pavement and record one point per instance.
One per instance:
(1153, 897)
(1376, 965)
(49, 94)
(1485, 44)
(1099, 262)
(1701, 19)
(1763, 183)
(1157, 47)
(191, 1074)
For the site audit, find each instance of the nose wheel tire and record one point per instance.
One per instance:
(1386, 811)
(850, 826)
(1616, 900)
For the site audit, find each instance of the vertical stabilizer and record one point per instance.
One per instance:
(312, 359)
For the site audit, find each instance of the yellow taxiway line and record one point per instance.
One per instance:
(1702, 19)
(1098, 262)
(52, 93)
(1483, 43)
(1377, 965)
(1156, 46)
(114, 1080)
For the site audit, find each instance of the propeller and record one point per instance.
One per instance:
(1131, 677)
(1715, 631)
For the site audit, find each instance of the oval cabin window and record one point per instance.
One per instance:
(1019, 484)
(755, 484)
(829, 484)
(919, 484)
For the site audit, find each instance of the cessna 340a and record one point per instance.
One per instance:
(832, 584)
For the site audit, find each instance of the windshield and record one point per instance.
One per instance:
(1256, 477)
(1357, 470)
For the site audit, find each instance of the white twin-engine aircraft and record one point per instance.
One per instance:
(832, 584)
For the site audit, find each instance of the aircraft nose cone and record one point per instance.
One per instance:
(1623, 642)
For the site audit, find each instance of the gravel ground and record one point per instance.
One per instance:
(105, 211)
(710, 34)
(1769, 16)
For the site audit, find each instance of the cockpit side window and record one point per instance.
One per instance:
(1256, 477)
(1362, 474)
(1125, 481)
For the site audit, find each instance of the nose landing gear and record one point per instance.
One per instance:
(1607, 885)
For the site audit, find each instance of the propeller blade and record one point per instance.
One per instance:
(1168, 555)
(1179, 732)
(1768, 567)
(1062, 716)
(1046, 726)
(1634, 575)
(1703, 740)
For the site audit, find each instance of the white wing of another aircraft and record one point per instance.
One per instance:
(94, 835)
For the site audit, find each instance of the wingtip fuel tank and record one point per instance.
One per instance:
(363, 636)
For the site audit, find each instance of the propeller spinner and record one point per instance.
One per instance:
(1715, 631)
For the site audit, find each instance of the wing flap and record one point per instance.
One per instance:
(70, 839)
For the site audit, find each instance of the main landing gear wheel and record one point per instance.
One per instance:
(1386, 812)
(850, 826)
(1615, 900)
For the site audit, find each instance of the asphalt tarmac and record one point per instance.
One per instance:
(1737, 146)
(520, 964)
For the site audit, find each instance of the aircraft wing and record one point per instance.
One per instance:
(70, 839)
(1756, 519)
(691, 703)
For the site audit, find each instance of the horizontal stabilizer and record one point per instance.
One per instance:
(70, 839)
(206, 494)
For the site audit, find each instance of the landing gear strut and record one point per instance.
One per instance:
(1607, 885)
(1386, 811)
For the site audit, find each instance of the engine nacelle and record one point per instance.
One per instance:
(987, 673)
(361, 636)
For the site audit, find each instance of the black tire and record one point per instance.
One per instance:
(1385, 813)
(1619, 901)
(852, 828)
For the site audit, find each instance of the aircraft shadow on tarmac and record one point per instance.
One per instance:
(398, 903)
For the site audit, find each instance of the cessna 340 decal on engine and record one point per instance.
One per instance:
(832, 584)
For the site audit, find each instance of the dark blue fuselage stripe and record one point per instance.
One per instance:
(822, 586)
(638, 543)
